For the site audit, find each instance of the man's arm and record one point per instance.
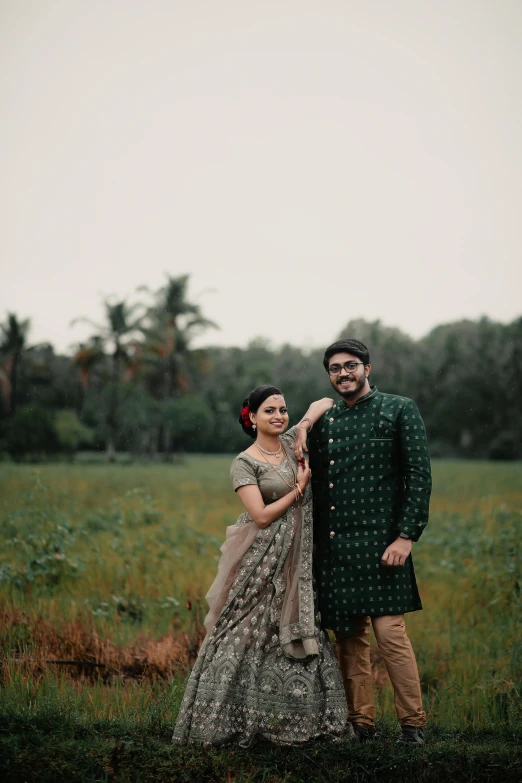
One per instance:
(312, 415)
(416, 473)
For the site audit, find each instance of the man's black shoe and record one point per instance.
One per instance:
(412, 736)
(364, 733)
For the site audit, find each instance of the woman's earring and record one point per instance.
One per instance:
(254, 427)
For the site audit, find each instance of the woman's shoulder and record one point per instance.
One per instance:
(243, 470)
(289, 436)
(244, 456)
(240, 459)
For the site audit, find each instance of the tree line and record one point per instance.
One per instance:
(138, 386)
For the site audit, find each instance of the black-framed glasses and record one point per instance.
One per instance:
(335, 369)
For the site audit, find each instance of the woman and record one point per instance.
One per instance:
(265, 670)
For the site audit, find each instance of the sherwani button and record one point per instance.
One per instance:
(332, 534)
(331, 440)
(332, 508)
(332, 462)
(331, 419)
(331, 486)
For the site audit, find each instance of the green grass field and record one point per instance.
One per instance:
(108, 565)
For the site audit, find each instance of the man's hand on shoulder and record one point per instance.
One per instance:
(397, 553)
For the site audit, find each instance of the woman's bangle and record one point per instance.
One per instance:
(307, 419)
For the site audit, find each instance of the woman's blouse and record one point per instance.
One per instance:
(271, 479)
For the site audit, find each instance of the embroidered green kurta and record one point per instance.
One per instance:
(371, 480)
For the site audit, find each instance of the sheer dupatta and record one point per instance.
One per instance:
(296, 623)
(242, 552)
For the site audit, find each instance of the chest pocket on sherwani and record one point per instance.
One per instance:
(383, 430)
(383, 434)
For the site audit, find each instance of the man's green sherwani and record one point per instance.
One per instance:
(371, 480)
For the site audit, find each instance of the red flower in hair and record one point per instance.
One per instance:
(246, 418)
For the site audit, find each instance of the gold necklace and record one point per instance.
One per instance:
(271, 453)
(294, 475)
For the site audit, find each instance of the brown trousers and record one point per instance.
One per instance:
(399, 659)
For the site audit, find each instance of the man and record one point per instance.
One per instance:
(371, 481)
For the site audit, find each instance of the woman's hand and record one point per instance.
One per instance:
(312, 415)
(303, 474)
(300, 441)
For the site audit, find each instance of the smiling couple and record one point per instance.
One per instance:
(266, 670)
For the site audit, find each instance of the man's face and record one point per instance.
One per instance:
(348, 382)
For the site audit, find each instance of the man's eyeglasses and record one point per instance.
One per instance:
(335, 369)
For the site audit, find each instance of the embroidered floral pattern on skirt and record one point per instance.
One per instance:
(266, 670)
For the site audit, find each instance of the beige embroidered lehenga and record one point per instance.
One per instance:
(265, 671)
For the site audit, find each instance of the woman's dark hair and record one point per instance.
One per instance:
(256, 398)
(347, 345)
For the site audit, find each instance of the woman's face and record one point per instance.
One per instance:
(271, 417)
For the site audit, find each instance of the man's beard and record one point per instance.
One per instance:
(347, 394)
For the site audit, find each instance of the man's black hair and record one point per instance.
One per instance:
(347, 345)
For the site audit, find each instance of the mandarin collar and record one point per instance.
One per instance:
(341, 405)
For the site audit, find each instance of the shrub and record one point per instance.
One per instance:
(70, 432)
(31, 430)
(504, 447)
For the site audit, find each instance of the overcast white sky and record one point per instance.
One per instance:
(308, 162)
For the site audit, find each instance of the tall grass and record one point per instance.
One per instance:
(108, 566)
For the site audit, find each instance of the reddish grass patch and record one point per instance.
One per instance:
(35, 644)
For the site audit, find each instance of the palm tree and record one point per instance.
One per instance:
(121, 323)
(86, 357)
(12, 343)
(173, 322)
